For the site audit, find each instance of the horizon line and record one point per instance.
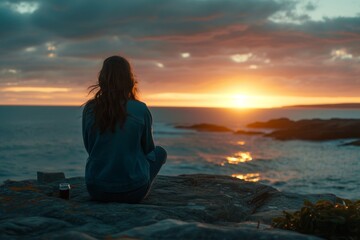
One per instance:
(348, 105)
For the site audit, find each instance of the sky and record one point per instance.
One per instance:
(204, 53)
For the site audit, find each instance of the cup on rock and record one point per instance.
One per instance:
(64, 190)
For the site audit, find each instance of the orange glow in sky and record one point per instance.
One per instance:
(220, 53)
(76, 97)
(35, 89)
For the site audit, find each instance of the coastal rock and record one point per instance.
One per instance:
(353, 143)
(313, 129)
(187, 207)
(274, 123)
(206, 127)
(242, 132)
(331, 106)
(176, 229)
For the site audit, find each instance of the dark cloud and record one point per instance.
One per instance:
(146, 18)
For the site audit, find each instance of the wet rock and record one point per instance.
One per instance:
(186, 207)
(175, 229)
(313, 129)
(353, 143)
(274, 123)
(206, 127)
(242, 132)
(25, 226)
(71, 235)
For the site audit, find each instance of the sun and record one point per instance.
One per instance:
(240, 101)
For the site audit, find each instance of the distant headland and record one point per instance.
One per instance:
(335, 105)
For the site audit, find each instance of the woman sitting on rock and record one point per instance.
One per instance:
(117, 132)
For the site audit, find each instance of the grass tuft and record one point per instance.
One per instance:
(324, 219)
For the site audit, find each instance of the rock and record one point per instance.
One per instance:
(70, 235)
(206, 127)
(332, 106)
(47, 177)
(248, 132)
(176, 229)
(187, 207)
(353, 143)
(22, 226)
(274, 123)
(313, 130)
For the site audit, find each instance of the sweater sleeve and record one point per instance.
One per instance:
(147, 141)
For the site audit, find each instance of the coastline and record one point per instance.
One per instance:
(331, 106)
(286, 129)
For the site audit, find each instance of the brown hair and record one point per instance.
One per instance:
(116, 85)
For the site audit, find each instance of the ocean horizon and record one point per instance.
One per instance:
(48, 138)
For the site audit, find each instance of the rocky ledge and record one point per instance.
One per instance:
(179, 207)
(312, 129)
(205, 127)
(286, 129)
(208, 127)
(353, 143)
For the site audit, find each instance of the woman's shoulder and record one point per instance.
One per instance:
(138, 108)
(137, 104)
(88, 106)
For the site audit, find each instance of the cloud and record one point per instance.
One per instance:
(185, 55)
(240, 58)
(341, 54)
(160, 65)
(253, 66)
(23, 7)
(187, 45)
(34, 89)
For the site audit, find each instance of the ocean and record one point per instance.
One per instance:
(49, 139)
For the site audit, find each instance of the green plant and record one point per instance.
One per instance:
(324, 219)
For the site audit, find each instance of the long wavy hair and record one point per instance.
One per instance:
(116, 85)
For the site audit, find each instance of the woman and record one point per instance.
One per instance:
(117, 132)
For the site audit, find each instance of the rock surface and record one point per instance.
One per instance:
(313, 129)
(286, 129)
(332, 106)
(178, 207)
(242, 132)
(279, 123)
(206, 127)
(353, 143)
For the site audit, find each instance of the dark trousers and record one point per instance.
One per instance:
(136, 195)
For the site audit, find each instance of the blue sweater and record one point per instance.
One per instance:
(118, 162)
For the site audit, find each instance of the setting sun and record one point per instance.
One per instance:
(241, 101)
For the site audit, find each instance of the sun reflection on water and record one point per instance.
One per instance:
(239, 157)
(250, 177)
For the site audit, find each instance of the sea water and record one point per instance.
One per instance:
(49, 139)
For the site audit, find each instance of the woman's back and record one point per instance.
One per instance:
(117, 160)
(117, 132)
